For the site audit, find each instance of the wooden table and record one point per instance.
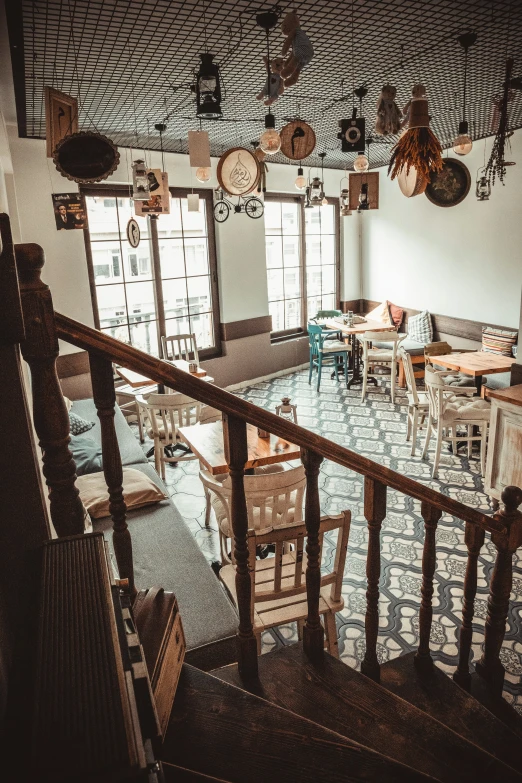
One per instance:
(475, 363)
(137, 380)
(206, 441)
(351, 333)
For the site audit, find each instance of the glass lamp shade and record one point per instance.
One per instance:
(300, 182)
(140, 181)
(270, 141)
(324, 202)
(463, 144)
(316, 192)
(361, 163)
(483, 189)
(203, 174)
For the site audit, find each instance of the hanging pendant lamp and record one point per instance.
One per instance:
(463, 143)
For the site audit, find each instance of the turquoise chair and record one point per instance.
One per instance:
(321, 315)
(326, 352)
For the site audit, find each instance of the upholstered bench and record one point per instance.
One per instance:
(166, 554)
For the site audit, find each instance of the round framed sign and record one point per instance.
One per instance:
(238, 171)
(449, 186)
(297, 140)
(133, 233)
(86, 157)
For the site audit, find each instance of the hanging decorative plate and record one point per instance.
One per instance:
(86, 157)
(133, 233)
(412, 183)
(449, 186)
(297, 140)
(238, 171)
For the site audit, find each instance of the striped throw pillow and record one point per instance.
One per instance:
(498, 340)
(420, 328)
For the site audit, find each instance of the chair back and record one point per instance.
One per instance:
(439, 348)
(270, 497)
(180, 346)
(326, 314)
(166, 413)
(390, 337)
(208, 414)
(409, 374)
(314, 338)
(286, 573)
(435, 387)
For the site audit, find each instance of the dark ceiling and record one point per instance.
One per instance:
(131, 62)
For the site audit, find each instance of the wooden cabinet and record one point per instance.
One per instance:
(504, 463)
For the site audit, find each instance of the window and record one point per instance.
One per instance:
(302, 261)
(125, 289)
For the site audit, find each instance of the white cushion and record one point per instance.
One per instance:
(331, 346)
(380, 313)
(375, 355)
(462, 408)
(138, 490)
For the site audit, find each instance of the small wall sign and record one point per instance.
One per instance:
(133, 233)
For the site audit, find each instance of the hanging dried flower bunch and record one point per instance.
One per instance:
(418, 147)
(496, 164)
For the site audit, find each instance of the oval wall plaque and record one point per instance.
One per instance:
(133, 233)
(449, 186)
(238, 171)
(86, 157)
(297, 140)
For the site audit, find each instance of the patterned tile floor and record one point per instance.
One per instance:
(376, 428)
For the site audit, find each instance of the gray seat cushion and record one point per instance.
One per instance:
(165, 553)
(130, 449)
(500, 380)
(411, 346)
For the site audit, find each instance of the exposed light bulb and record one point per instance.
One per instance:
(462, 144)
(361, 163)
(300, 182)
(270, 141)
(203, 174)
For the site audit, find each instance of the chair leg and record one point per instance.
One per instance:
(438, 447)
(365, 382)
(414, 432)
(140, 424)
(346, 368)
(393, 380)
(483, 447)
(454, 441)
(207, 508)
(259, 643)
(300, 628)
(470, 442)
(330, 627)
(408, 424)
(428, 437)
(311, 369)
(319, 370)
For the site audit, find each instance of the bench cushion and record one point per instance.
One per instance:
(411, 346)
(165, 553)
(130, 449)
(499, 380)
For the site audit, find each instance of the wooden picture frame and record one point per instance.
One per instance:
(61, 117)
(238, 171)
(355, 182)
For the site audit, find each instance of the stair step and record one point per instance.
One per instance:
(499, 707)
(345, 701)
(438, 696)
(218, 729)
(174, 774)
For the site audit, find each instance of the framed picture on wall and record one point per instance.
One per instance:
(69, 211)
(61, 117)
(159, 203)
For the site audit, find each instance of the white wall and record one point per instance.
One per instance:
(463, 261)
(240, 241)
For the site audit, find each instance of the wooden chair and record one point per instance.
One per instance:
(418, 404)
(163, 414)
(126, 399)
(372, 357)
(279, 583)
(180, 346)
(447, 412)
(325, 351)
(274, 497)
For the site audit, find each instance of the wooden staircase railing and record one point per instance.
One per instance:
(40, 349)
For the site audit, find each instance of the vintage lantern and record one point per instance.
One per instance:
(208, 89)
(140, 181)
(483, 187)
(364, 202)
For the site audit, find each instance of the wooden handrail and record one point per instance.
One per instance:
(160, 371)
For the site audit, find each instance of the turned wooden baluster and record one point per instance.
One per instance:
(105, 400)
(474, 538)
(431, 516)
(313, 632)
(51, 420)
(490, 667)
(375, 512)
(236, 454)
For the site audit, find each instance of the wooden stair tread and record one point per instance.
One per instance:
(174, 774)
(500, 708)
(218, 729)
(345, 701)
(438, 696)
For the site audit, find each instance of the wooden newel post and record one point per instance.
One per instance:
(313, 632)
(431, 516)
(105, 400)
(375, 512)
(51, 421)
(474, 538)
(236, 454)
(490, 667)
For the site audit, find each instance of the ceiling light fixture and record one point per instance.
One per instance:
(300, 181)
(463, 143)
(208, 89)
(270, 140)
(361, 163)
